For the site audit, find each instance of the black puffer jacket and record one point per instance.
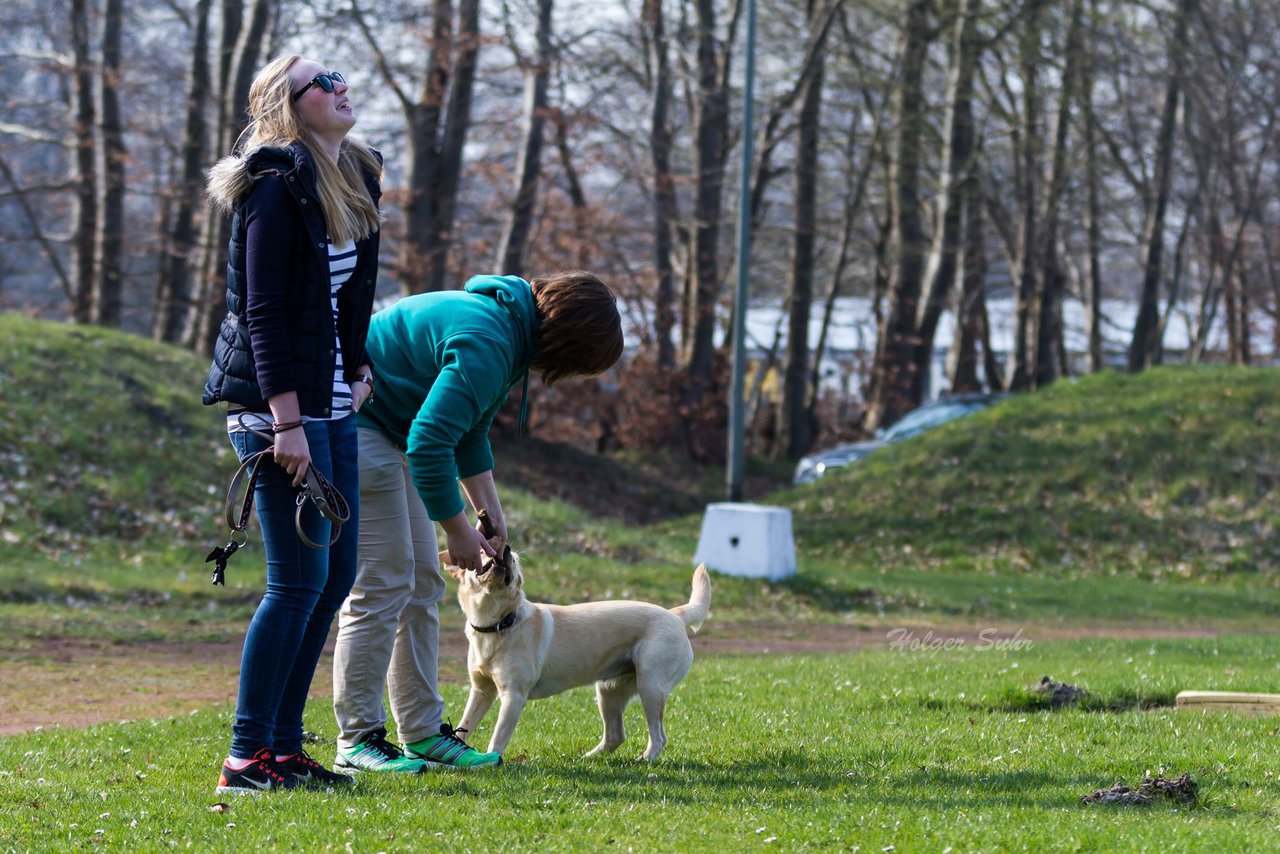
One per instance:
(278, 334)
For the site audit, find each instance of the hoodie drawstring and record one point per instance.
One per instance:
(523, 427)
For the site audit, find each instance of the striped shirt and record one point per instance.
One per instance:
(342, 263)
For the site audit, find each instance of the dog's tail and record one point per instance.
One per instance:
(699, 603)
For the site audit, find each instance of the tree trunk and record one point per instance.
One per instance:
(665, 213)
(435, 151)
(109, 246)
(420, 244)
(1050, 350)
(1029, 145)
(457, 121)
(971, 313)
(895, 366)
(174, 285)
(1144, 343)
(209, 294)
(711, 136)
(511, 245)
(84, 218)
(238, 62)
(773, 133)
(1092, 295)
(795, 430)
(956, 174)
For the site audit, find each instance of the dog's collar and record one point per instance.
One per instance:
(501, 626)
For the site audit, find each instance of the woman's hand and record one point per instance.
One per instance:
(499, 523)
(483, 495)
(361, 387)
(360, 392)
(466, 545)
(293, 453)
(291, 449)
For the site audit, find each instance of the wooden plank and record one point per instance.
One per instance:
(1233, 701)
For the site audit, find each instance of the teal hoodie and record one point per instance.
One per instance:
(443, 363)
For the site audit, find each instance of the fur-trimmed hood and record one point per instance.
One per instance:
(232, 177)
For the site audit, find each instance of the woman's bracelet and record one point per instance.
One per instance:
(285, 426)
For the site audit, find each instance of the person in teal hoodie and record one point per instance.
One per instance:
(444, 363)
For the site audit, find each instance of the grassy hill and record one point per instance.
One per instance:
(1172, 472)
(103, 440)
(1108, 499)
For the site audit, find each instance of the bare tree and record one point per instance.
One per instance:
(510, 254)
(972, 329)
(1051, 278)
(1144, 343)
(855, 196)
(665, 212)
(242, 44)
(438, 117)
(85, 174)
(711, 138)
(109, 242)
(795, 426)
(1092, 290)
(1029, 144)
(893, 373)
(174, 280)
(956, 182)
(32, 216)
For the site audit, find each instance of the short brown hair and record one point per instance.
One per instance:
(580, 331)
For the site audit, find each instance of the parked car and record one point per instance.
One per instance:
(915, 422)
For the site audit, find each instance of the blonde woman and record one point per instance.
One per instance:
(290, 363)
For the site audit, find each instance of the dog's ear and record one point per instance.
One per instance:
(446, 560)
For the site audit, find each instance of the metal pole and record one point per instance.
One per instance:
(733, 473)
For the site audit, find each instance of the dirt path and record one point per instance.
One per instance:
(80, 683)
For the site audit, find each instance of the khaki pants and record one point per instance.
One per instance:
(389, 627)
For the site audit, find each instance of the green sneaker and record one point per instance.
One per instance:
(449, 750)
(375, 753)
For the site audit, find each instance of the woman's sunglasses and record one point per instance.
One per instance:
(325, 81)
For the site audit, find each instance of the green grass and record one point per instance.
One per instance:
(103, 443)
(921, 751)
(1172, 473)
(1117, 502)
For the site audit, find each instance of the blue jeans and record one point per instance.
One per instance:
(305, 588)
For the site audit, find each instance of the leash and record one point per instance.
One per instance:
(316, 489)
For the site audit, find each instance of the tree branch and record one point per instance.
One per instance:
(37, 232)
(30, 133)
(380, 58)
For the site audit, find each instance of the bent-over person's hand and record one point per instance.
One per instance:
(498, 524)
(293, 453)
(466, 545)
